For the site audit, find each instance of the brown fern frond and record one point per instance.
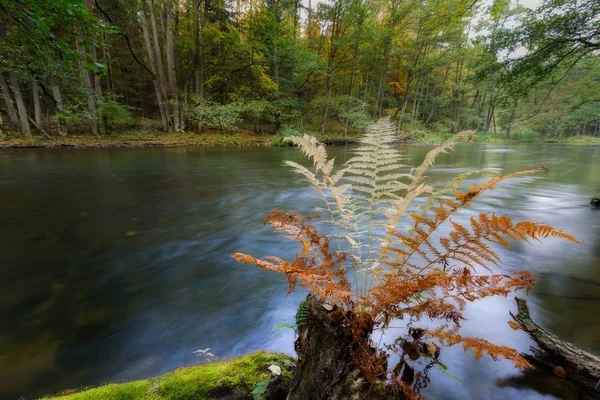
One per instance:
(480, 347)
(434, 309)
(469, 247)
(390, 297)
(474, 287)
(540, 230)
(315, 267)
(475, 190)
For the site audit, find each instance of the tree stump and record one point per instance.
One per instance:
(325, 367)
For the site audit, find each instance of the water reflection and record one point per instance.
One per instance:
(115, 264)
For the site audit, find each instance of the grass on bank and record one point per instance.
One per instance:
(237, 376)
(153, 138)
(139, 139)
(501, 138)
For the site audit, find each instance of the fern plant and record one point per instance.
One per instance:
(383, 258)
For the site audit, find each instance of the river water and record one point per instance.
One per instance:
(115, 264)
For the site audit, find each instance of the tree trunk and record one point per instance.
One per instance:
(62, 130)
(109, 69)
(560, 357)
(326, 108)
(160, 72)
(350, 90)
(415, 98)
(325, 369)
(480, 111)
(488, 120)
(418, 106)
(331, 65)
(10, 108)
(87, 83)
(309, 22)
(512, 119)
(404, 103)
(158, 86)
(387, 44)
(171, 69)
(97, 86)
(35, 96)
(23, 117)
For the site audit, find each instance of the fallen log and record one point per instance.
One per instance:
(562, 358)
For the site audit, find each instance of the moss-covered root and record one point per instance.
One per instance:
(233, 379)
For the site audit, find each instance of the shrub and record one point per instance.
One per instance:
(211, 114)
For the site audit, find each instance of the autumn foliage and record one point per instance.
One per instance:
(415, 273)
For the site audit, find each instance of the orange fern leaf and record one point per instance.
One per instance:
(480, 347)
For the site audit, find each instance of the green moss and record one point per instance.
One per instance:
(197, 382)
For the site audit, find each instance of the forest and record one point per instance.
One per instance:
(436, 67)
(130, 273)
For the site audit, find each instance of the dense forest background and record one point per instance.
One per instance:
(285, 66)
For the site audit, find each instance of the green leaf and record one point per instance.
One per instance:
(258, 391)
(284, 325)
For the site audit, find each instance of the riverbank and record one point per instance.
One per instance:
(134, 139)
(233, 379)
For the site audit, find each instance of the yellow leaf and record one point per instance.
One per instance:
(514, 324)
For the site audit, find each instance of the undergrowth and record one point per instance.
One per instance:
(386, 256)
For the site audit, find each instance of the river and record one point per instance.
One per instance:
(115, 264)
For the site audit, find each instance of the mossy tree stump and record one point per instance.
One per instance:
(325, 368)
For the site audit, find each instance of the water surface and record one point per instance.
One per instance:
(115, 263)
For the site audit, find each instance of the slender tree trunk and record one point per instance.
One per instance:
(326, 108)
(171, 67)
(158, 87)
(335, 30)
(159, 61)
(23, 117)
(109, 69)
(62, 130)
(455, 95)
(418, 106)
(480, 111)
(488, 120)
(35, 96)
(512, 118)
(198, 62)
(97, 87)
(353, 73)
(350, 89)
(475, 99)
(160, 72)
(415, 98)
(404, 102)
(387, 44)
(10, 108)
(309, 22)
(88, 83)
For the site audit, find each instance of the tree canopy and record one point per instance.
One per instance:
(97, 66)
